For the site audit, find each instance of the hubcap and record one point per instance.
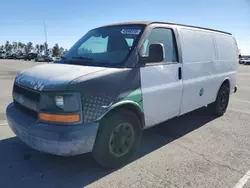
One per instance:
(121, 139)
(223, 100)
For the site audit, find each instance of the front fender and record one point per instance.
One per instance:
(121, 104)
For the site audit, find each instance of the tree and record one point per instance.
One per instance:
(28, 47)
(1, 48)
(56, 51)
(86, 51)
(61, 51)
(19, 46)
(14, 46)
(37, 47)
(8, 47)
(41, 48)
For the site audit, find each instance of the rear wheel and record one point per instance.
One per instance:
(118, 138)
(219, 107)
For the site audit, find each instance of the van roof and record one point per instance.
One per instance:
(171, 23)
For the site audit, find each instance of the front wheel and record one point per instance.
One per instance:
(219, 107)
(118, 138)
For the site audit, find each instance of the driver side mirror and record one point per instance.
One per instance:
(156, 54)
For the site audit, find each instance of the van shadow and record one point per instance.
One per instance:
(21, 166)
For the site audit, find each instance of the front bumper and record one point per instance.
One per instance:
(65, 140)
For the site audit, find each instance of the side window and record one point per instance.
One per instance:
(164, 36)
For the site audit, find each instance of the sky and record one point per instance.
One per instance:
(68, 20)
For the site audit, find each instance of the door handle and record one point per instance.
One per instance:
(179, 73)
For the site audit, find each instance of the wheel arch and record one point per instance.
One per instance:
(130, 105)
(226, 81)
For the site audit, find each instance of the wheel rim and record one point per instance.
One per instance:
(223, 100)
(121, 139)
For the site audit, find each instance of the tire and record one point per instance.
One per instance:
(109, 139)
(219, 107)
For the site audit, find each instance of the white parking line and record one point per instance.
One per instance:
(242, 111)
(3, 123)
(244, 101)
(243, 180)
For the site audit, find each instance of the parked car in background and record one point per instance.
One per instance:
(44, 58)
(30, 56)
(20, 56)
(10, 56)
(2, 55)
(245, 60)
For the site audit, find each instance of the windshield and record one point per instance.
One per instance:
(106, 45)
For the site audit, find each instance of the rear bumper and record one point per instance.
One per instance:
(55, 139)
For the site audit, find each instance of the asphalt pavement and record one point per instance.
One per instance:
(195, 150)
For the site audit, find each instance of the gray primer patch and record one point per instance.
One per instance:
(47, 76)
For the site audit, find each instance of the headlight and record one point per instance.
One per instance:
(60, 107)
(59, 102)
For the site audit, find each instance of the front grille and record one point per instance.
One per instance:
(33, 95)
(26, 110)
(30, 94)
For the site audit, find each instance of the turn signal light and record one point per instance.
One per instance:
(60, 118)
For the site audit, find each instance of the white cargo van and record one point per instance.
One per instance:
(118, 80)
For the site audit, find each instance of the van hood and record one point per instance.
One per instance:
(53, 77)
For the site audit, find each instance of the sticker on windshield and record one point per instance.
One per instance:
(130, 31)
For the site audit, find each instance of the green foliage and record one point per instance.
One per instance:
(19, 47)
(37, 48)
(1, 48)
(28, 47)
(56, 51)
(8, 47)
(14, 46)
(61, 50)
(41, 48)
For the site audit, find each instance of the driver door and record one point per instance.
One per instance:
(161, 82)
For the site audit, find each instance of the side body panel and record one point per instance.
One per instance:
(226, 62)
(198, 70)
(203, 69)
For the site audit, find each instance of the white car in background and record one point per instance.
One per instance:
(245, 60)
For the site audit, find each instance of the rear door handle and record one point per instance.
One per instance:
(179, 73)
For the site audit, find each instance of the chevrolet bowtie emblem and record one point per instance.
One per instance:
(21, 100)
